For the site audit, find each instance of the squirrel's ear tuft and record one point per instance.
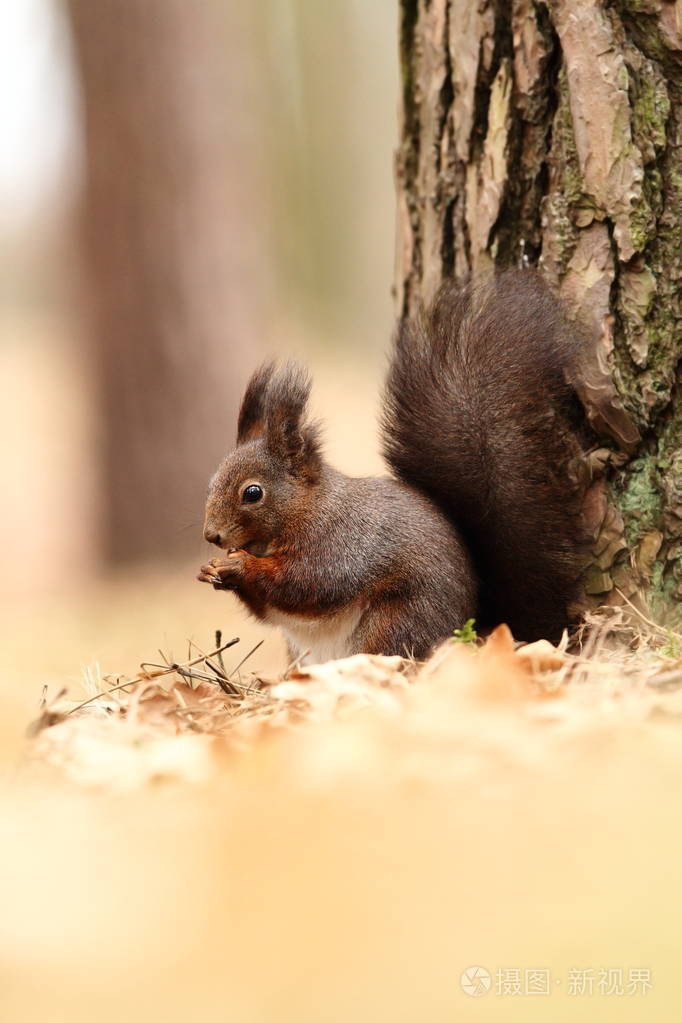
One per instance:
(288, 435)
(254, 407)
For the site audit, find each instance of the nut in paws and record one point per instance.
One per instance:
(221, 571)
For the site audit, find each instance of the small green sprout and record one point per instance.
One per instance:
(467, 634)
(672, 647)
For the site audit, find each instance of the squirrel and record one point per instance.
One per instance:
(480, 518)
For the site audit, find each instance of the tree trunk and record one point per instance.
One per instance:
(550, 135)
(170, 234)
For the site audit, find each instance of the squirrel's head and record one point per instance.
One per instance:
(262, 488)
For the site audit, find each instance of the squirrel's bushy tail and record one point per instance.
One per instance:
(479, 416)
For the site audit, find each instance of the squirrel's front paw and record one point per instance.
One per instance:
(221, 572)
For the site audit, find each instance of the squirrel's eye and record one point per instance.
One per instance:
(252, 494)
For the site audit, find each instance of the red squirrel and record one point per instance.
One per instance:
(479, 519)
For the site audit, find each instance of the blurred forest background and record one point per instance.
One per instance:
(184, 188)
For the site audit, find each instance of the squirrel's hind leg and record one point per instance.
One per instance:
(395, 627)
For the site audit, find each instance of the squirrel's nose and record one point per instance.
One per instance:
(213, 537)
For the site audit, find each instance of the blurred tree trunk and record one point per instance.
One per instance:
(170, 238)
(551, 136)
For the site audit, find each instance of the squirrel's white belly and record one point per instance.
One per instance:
(319, 639)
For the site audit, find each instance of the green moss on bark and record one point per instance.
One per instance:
(639, 497)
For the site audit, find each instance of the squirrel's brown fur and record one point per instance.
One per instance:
(481, 520)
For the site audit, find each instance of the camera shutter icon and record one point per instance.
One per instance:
(476, 981)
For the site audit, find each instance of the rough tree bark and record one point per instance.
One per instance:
(550, 135)
(170, 234)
